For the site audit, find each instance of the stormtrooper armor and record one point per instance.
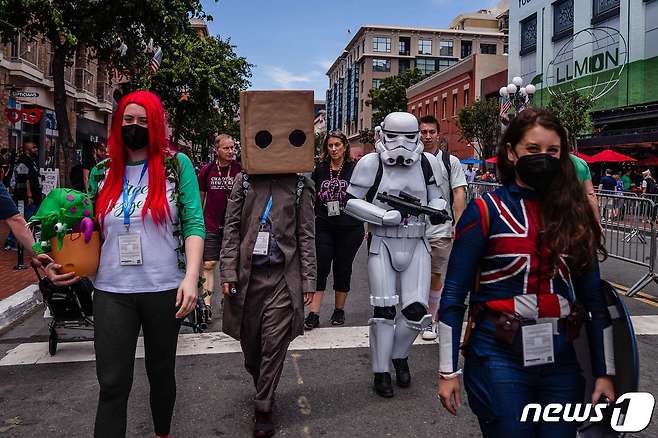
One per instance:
(398, 245)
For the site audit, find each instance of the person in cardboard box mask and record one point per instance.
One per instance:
(395, 190)
(268, 251)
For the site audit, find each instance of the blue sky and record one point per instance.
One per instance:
(292, 43)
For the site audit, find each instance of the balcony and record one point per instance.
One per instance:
(104, 95)
(85, 86)
(23, 57)
(25, 50)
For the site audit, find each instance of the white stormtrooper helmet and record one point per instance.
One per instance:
(399, 139)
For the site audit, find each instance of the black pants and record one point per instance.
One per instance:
(118, 318)
(337, 245)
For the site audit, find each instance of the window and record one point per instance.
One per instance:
(405, 64)
(426, 65)
(361, 105)
(381, 44)
(466, 93)
(383, 65)
(604, 9)
(361, 124)
(562, 19)
(424, 47)
(446, 62)
(506, 48)
(427, 109)
(529, 35)
(467, 48)
(454, 105)
(436, 108)
(420, 111)
(446, 48)
(488, 49)
(363, 66)
(376, 83)
(363, 86)
(405, 46)
(444, 107)
(363, 46)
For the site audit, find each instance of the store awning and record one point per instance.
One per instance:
(610, 156)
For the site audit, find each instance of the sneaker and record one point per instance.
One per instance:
(338, 317)
(431, 333)
(312, 321)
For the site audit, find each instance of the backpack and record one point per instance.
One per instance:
(298, 189)
(445, 158)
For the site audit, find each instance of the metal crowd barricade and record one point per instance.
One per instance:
(477, 189)
(628, 222)
(629, 228)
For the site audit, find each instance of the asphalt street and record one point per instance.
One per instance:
(324, 391)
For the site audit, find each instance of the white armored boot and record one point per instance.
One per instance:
(382, 332)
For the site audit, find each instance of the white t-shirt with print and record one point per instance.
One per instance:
(159, 271)
(457, 179)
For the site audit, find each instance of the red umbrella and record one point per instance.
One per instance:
(610, 156)
(584, 157)
(651, 161)
(491, 160)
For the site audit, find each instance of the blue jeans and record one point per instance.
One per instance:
(499, 386)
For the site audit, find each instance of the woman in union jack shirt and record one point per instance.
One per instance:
(527, 253)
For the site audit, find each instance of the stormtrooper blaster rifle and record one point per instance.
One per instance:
(409, 205)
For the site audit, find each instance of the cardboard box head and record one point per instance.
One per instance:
(276, 131)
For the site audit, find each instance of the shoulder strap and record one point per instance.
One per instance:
(301, 181)
(484, 215)
(427, 169)
(445, 157)
(378, 178)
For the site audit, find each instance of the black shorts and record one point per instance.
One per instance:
(212, 246)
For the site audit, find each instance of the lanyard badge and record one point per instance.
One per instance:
(263, 240)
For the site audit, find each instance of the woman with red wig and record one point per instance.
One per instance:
(146, 200)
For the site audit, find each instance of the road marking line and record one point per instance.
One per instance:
(640, 296)
(191, 344)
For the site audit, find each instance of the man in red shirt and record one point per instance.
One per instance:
(215, 184)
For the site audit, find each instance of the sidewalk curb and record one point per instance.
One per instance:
(17, 306)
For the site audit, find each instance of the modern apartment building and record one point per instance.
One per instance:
(377, 52)
(605, 48)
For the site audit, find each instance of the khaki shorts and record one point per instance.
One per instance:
(440, 255)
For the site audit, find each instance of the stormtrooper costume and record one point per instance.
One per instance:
(398, 245)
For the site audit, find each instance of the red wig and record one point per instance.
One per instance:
(156, 198)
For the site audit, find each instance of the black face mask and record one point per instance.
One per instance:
(135, 137)
(538, 170)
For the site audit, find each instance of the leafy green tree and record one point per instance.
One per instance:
(200, 82)
(391, 95)
(573, 110)
(101, 27)
(479, 125)
(367, 136)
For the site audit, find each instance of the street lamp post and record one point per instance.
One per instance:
(516, 95)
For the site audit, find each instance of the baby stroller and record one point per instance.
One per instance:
(71, 307)
(198, 318)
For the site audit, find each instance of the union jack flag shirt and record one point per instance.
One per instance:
(499, 238)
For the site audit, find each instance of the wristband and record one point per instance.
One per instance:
(448, 376)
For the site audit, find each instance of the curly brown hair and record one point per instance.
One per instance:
(569, 225)
(324, 153)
